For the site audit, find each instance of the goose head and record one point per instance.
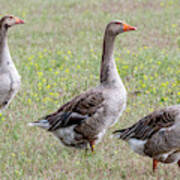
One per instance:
(116, 27)
(9, 21)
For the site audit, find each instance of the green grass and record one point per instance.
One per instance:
(58, 53)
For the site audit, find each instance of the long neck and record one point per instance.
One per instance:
(109, 74)
(4, 49)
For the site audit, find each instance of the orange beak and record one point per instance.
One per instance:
(19, 21)
(127, 27)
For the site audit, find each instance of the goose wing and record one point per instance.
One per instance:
(150, 124)
(75, 111)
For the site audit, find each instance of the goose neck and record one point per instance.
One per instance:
(4, 49)
(109, 74)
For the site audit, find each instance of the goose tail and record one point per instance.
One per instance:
(118, 134)
(43, 123)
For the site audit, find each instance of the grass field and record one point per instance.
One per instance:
(58, 53)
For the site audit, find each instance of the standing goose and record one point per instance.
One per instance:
(85, 118)
(157, 135)
(9, 77)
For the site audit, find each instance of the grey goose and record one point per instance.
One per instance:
(84, 120)
(157, 136)
(9, 76)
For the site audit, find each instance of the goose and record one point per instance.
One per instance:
(9, 76)
(83, 120)
(157, 136)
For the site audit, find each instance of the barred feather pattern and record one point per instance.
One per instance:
(150, 124)
(157, 135)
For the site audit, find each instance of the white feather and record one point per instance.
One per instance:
(116, 135)
(137, 145)
(42, 123)
(66, 134)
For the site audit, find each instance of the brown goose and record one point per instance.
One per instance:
(9, 77)
(157, 135)
(85, 118)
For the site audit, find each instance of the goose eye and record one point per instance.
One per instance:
(11, 17)
(118, 23)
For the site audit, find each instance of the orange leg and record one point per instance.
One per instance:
(92, 145)
(155, 163)
(178, 163)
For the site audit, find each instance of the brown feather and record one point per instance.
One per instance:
(85, 105)
(151, 123)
